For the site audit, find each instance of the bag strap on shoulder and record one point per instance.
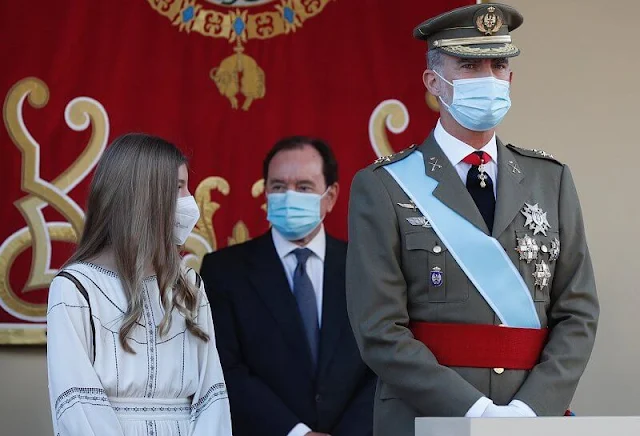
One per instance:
(85, 294)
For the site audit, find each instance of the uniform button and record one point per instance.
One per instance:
(499, 370)
(437, 249)
(318, 398)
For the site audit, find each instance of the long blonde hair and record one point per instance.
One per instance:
(131, 211)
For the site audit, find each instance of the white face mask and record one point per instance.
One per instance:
(480, 103)
(187, 215)
(294, 214)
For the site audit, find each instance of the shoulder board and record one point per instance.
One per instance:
(384, 160)
(541, 154)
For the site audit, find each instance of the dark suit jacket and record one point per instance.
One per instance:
(264, 353)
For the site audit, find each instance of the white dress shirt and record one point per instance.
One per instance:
(315, 263)
(456, 150)
(315, 271)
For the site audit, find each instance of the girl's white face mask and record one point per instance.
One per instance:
(187, 216)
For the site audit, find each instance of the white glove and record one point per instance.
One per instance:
(515, 409)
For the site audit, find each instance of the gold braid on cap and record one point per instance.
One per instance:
(472, 41)
(464, 50)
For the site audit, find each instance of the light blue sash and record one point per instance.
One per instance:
(480, 256)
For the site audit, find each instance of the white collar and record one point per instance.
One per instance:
(318, 245)
(457, 150)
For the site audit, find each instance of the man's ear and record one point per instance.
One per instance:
(332, 196)
(431, 82)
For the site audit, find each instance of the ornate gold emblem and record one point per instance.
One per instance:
(490, 22)
(389, 114)
(81, 113)
(239, 21)
(227, 77)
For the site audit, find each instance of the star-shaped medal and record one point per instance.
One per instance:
(542, 274)
(528, 248)
(536, 219)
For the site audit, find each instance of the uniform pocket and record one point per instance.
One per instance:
(435, 269)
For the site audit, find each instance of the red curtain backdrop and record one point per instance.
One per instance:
(222, 79)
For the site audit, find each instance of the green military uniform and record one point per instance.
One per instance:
(393, 250)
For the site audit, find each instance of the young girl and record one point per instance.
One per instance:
(131, 346)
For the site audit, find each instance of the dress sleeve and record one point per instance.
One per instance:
(79, 403)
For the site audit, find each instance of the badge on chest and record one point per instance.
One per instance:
(436, 277)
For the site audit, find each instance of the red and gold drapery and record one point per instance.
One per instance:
(223, 79)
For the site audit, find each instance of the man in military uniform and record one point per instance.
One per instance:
(470, 287)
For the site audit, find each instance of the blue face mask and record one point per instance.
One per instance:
(294, 214)
(478, 104)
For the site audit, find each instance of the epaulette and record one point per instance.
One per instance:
(533, 153)
(384, 160)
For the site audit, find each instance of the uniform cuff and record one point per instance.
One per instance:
(523, 406)
(299, 430)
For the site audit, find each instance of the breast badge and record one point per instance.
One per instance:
(542, 275)
(536, 219)
(436, 277)
(419, 221)
(527, 248)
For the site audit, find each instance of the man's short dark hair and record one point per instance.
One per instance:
(329, 163)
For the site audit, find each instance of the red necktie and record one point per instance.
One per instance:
(480, 186)
(476, 158)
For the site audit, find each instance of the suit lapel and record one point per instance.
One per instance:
(512, 190)
(269, 279)
(450, 190)
(334, 310)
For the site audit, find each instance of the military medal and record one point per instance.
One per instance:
(542, 274)
(554, 252)
(436, 277)
(419, 221)
(528, 248)
(482, 169)
(536, 219)
(411, 205)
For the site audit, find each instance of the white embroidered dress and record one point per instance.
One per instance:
(173, 385)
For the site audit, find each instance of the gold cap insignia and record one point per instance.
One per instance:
(490, 22)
